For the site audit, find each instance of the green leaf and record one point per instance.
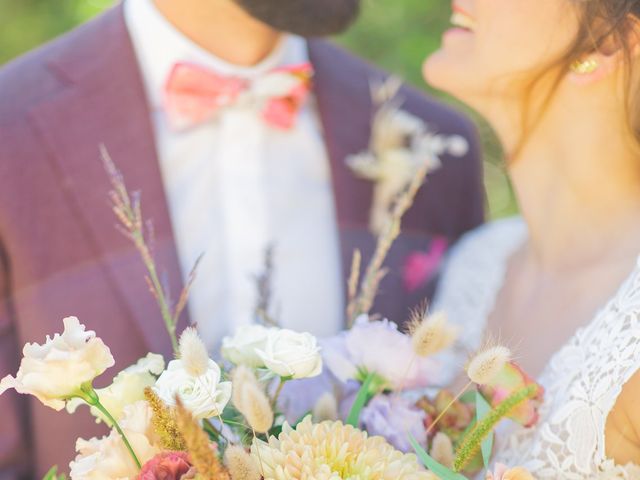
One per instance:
(364, 395)
(471, 443)
(482, 410)
(52, 474)
(468, 397)
(440, 470)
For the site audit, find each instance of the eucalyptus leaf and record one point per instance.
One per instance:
(482, 410)
(52, 474)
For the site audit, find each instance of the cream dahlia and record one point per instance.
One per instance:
(332, 451)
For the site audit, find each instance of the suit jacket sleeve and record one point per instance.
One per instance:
(13, 407)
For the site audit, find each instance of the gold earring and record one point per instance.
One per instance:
(584, 67)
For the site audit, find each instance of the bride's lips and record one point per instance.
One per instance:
(463, 23)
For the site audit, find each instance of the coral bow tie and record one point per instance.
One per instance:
(194, 94)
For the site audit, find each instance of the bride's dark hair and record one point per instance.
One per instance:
(605, 26)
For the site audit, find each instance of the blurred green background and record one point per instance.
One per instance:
(396, 34)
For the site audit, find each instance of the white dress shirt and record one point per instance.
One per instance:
(235, 185)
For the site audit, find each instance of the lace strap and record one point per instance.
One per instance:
(472, 277)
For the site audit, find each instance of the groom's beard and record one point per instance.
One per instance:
(307, 18)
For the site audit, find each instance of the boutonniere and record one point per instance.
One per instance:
(399, 145)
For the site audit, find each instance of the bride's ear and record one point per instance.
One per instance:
(610, 56)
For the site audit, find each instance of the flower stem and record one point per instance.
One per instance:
(283, 380)
(363, 301)
(128, 211)
(255, 438)
(405, 375)
(446, 409)
(208, 425)
(158, 290)
(89, 395)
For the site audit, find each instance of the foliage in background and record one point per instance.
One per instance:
(394, 34)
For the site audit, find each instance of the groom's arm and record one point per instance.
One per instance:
(14, 446)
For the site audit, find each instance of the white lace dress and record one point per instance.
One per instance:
(582, 380)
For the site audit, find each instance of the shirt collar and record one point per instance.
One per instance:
(159, 46)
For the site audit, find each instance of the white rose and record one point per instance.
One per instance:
(292, 354)
(55, 371)
(127, 387)
(204, 395)
(241, 349)
(107, 458)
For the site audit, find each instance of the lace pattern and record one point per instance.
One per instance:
(582, 380)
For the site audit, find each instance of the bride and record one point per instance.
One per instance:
(557, 79)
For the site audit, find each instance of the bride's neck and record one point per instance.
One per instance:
(577, 181)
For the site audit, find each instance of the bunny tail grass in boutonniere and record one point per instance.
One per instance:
(402, 152)
(361, 300)
(400, 145)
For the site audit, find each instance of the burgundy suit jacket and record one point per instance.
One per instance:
(60, 253)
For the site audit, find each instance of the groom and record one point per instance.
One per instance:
(226, 175)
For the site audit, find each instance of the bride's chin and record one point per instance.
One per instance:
(438, 72)
(429, 72)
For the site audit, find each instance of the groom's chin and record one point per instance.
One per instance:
(307, 18)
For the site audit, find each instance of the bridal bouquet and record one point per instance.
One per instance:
(195, 418)
(276, 404)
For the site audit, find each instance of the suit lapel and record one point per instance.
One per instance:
(345, 111)
(344, 108)
(104, 103)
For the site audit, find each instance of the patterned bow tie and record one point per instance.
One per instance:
(194, 95)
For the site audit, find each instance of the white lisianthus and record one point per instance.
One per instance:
(291, 354)
(242, 348)
(127, 387)
(54, 372)
(204, 395)
(107, 458)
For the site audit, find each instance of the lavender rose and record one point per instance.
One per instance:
(394, 418)
(378, 346)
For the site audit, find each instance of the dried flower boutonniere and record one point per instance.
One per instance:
(400, 144)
